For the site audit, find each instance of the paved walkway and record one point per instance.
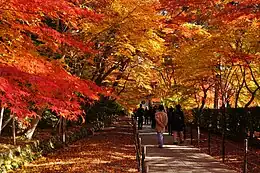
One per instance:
(182, 158)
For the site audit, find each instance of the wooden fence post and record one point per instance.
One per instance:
(191, 134)
(245, 156)
(209, 138)
(209, 134)
(198, 131)
(223, 134)
(198, 127)
(143, 158)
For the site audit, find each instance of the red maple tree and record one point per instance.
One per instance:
(29, 81)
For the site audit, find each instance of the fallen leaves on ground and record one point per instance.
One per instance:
(108, 151)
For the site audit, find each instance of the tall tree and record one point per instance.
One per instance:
(127, 31)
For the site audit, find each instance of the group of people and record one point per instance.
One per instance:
(161, 119)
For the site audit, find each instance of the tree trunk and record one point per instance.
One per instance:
(251, 99)
(14, 137)
(204, 98)
(240, 87)
(60, 126)
(63, 122)
(216, 97)
(1, 118)
(237, 96)
(7, 121)
(30, 131)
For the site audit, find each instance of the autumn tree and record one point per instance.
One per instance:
(126, 32)
(199, 40)
(29, 82)
(125, 38)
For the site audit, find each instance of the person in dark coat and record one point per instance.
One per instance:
(146, 116)
(140, 115)
(135, 114)
(170, 114)
(178, 125)
(153, 122)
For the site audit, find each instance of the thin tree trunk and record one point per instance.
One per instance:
(253, 93)
(30, 132)
(14, 131)
(63, 130)
(103, 75)
(7, 121)
(60, 126)
(251, 99)
(1, 118)
(83, 120)
(56, 126)
(237, 95)
(216, 97)
(240, 87)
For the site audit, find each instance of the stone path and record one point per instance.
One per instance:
(182, 158)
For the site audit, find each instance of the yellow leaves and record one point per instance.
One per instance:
(194, 31)
(191, 26)
(122, 7)
(155, 45)
(152, 44)
(125, 49)
(152, 47)
(130, 47)
(168, 30)
(138, 84)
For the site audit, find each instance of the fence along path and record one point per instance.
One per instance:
(182, 158)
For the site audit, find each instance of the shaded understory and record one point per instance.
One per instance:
(110, 150)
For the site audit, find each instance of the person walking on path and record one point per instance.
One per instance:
(178, 125)
(153, 122)
(170, 114)
(140, 115)
(146, 116)
(161, 122)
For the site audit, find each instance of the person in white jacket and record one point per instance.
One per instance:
(161, 122)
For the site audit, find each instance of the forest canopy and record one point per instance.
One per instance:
(57, 55)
